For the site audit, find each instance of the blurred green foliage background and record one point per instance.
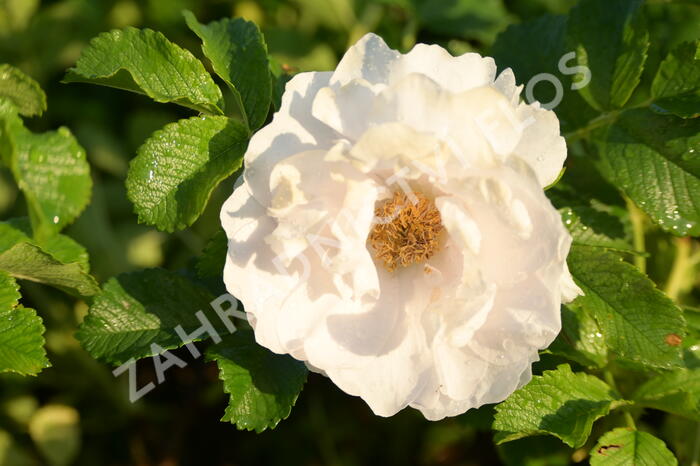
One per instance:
(76, 412)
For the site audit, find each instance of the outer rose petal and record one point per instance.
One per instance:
(478, 122)
(292, 130)
(387, 375)
(372, 60)
(505, 83)
(267, 288)
(369, 59)
(541, 145)
(471, 119)
(436, 405)
(346, 108)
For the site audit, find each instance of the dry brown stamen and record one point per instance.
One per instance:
(407, 230)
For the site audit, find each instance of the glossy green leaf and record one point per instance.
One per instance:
(57, 261)
(676, 86)
(559, 402)
(581, 338)
(28, 262)
(635, 318)
(238, 54)
(22, 342)
(66, 250)
(138, 309)
(22, 91)
(655, 160)
(21, 333)
(263, 386)
(9, 291)
(611, 39)
(591, 227)
(280, 76)
(50, 168)
(146, 62)
(63, 248)
(625, 446)
(178, 167)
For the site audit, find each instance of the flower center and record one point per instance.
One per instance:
(406, 231)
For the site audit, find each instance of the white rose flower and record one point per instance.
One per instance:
(391, 229)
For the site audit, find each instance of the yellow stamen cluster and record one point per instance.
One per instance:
(407, 230)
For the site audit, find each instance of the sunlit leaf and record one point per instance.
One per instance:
(21, 333)
(178, 167)
(676, 86)
(635, 318)
(263, 386)
(655, 160)
(57, 261)
(628, 446)
(50, 168)
(22, 91)
(559, 403)
(611, 39)
(144, 61)
(238, 54)
(138, 309)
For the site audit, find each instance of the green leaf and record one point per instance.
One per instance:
(676, 86)
(611, 39)
(50, 168)
(692, 317)
(58, 261)
(22, 342)
(559, 403)
(676, 392)
(280, 76)
(136, 310)
(581, 338)
(238, 54)
(591, 227)
(654, 159)
(66, 250)
(178, 167)
(635, 318)
(263, 386)
(21, 333)
(28, 262)
(670, 24)
(63, 248)
(211, 263)
(22, 91)
(145, 62)
(9, 291)
(627, 446)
